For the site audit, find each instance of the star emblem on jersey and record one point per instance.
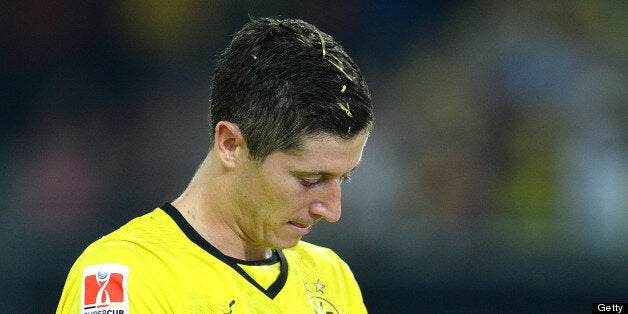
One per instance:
(319, 286)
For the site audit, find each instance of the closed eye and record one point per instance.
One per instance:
(310, 182)
(312, 179)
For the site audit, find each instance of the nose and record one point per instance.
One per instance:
(327, 204)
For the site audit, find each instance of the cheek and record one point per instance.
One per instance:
(287, 196)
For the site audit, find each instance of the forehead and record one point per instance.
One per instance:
(324, 153)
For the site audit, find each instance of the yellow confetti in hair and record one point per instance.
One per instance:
(322, 42)
(345, 109)
(306, 41)
(343, 89)
(339, 68)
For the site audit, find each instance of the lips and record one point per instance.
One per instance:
(300, 228)
(301, 225)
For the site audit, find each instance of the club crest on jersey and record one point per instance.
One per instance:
(104, 289)
(319, 304)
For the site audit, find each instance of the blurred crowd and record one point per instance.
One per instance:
(498, 166)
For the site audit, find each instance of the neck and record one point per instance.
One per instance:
(207, 208)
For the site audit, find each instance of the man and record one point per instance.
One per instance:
(290, 115)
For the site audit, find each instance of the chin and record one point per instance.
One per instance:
(280, 245)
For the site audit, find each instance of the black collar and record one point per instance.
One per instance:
(195, 237)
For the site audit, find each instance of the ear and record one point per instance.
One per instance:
(228, 141)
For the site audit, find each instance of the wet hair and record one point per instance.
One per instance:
(281, 81)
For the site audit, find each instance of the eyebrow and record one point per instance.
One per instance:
(325, 173)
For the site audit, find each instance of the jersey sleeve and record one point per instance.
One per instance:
(117, 275)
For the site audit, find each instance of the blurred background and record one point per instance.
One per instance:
(496, 179)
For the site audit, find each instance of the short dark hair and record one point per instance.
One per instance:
(282, 80)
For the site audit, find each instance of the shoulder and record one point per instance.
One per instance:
(136, 256)
(316, 256)
(139, 240)
(319, 267)
(308, 249)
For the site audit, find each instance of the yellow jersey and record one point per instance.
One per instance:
(157, 263)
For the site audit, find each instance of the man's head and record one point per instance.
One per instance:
(280, 81)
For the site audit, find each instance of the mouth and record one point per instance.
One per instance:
(300, 227)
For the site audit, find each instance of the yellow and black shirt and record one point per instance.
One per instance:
(158, 263)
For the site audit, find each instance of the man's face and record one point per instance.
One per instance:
(280, 200)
